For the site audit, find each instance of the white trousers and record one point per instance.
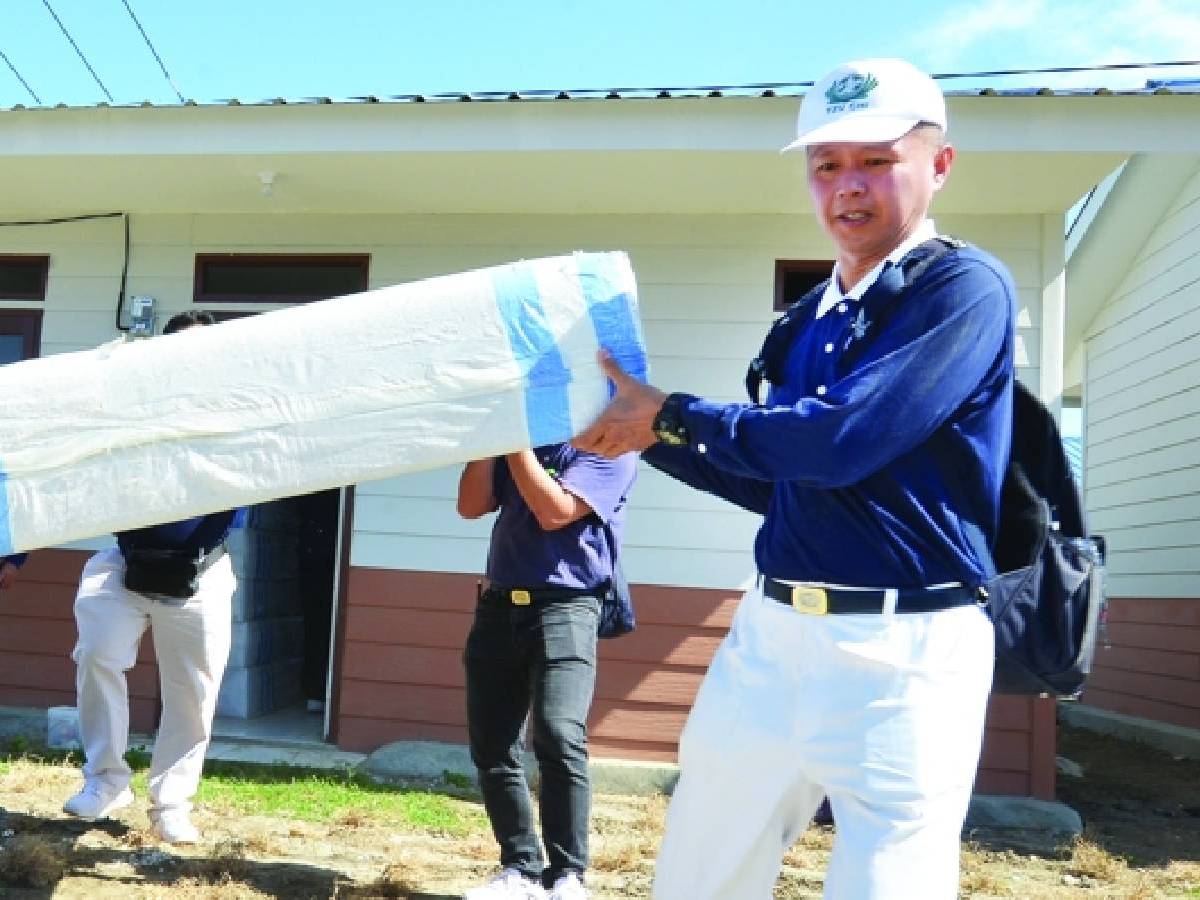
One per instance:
(192, 646)
(882, 713)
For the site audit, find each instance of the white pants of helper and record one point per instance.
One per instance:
(192, 646)
(883, 713)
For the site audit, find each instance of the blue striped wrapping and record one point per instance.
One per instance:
(356, 388)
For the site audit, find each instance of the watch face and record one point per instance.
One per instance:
(668, 426)
(670, 437)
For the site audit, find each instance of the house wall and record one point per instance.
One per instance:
(38, 633)
(1142, 480)
(706, 289)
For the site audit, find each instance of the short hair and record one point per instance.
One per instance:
(933, 134)
(187, 319)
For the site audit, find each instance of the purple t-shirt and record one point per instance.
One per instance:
(579, 555)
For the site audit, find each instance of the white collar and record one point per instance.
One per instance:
(833, 294)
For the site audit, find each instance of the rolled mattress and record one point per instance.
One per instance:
(336, 392)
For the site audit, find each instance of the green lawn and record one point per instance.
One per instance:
(322, 796)
(310, 795)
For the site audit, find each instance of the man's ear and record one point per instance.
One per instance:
(943, 159)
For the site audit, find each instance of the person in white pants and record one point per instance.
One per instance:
(191, 640)
(860, 664)
(852, 723)
(191, 643)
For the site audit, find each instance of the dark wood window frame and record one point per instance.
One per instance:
(28, 324)
(792, 272)
(25, 261)
(354, 263)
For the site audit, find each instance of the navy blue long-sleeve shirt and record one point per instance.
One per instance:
(878, 460)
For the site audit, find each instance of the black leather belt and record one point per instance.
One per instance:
(821, 601)
(524, 597)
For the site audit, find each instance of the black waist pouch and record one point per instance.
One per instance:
(170, 573)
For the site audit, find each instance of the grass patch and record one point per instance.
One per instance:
(349, 799)
(346, 798)
(31, 861)
(18, 751)
(1093, 861)
(398, 880)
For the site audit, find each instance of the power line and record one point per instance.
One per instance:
(1059, 70)
(67, 35)
(157, 58)
(59, 220)
(20, 78)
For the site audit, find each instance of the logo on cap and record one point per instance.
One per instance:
(851, 87)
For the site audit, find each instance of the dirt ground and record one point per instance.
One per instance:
(1142, 840)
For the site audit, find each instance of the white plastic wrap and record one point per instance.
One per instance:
(346, 390)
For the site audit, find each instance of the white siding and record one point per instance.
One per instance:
(705, 283)
(1143, 413)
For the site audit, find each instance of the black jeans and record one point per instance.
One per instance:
(538, 660)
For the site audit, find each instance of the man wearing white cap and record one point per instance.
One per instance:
(859, 665)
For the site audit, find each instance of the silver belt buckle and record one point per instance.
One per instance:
(813, 601)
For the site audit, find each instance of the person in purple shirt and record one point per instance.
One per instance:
(8, 569)
(177, 580)
(532, 652)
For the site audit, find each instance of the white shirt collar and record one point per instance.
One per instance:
(833, 294)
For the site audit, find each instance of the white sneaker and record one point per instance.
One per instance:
(174, 827)
(568, 887)
(96, 800)
(508, 885)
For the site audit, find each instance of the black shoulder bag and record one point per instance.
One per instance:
(168, 572)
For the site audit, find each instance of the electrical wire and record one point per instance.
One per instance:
(1059, 70)
(21, 78)
(62, 219)
(157, 58)
(67, 35)
(59, 220)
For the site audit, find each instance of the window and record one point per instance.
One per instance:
(796, 277)
(20, 334)
(277, 278)
(23, 277)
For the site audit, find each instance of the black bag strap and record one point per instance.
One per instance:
(768, 365)
(1039, 452)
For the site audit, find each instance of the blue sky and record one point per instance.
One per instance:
(256, 49)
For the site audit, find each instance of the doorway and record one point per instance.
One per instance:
(278, 679)
(288, 556)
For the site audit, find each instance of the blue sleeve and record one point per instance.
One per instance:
(601, 483)
(933, 354)
(693, 469)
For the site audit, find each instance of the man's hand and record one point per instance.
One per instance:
(475, 496)
(8, 575)
(627, 423)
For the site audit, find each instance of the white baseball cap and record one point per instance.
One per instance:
(868, 101)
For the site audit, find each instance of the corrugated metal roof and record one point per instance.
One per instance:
(796, 89)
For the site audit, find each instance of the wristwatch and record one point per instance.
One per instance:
(668, 424)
